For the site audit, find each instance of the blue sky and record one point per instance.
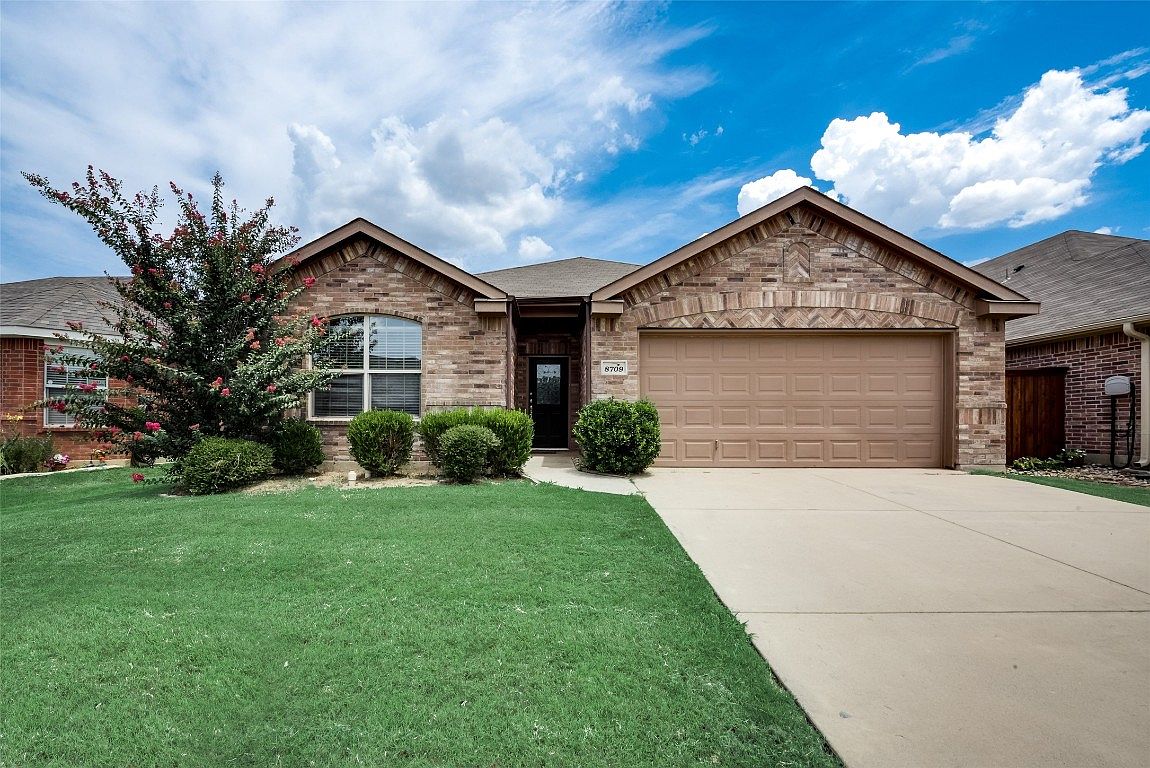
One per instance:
(503, 134)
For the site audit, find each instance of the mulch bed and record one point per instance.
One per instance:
(1095, 473)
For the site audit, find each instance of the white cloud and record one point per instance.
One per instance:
(461, 186)
(453, 128)
(1034, 165)
(756, 194)
(1106, 231)
(534, 248)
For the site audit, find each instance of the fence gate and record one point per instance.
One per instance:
(1035, 412)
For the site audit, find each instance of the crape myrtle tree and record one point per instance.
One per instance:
(207, 344)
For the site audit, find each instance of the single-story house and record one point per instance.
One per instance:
(1095, 322)
(802, 334)
(33, 315)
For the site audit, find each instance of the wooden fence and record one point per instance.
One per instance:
(1035, 412)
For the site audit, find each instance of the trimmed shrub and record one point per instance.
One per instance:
(217, 464)
(381, 440)
(298, 447)
(24, 454)
(466, 451)
(616, 436)
(514, 429)
(432, 427)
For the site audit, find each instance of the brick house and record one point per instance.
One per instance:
(1095, 294)
(802, 334)
(32, 315)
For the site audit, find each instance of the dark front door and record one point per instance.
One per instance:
(547, 400)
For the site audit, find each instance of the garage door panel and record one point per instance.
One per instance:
(771, 384)
(739, 383)
(659, 383)
(801, 400)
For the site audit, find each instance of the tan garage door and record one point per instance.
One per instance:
(730, 399)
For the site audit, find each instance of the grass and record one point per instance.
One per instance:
(499, 625)
(1105, 490)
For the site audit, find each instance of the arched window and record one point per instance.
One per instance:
(379, 360)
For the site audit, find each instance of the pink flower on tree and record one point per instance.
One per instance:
(308, 282)
(87, 387)
(316, 322)
(152, 426)
(271, 388)
(225, 392)
(258, 269)
(219, 382)
(255, 345)
(137, 435)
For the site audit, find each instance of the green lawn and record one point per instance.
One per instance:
(499, 625)
(1105, 490)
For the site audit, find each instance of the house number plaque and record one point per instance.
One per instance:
(613, 367)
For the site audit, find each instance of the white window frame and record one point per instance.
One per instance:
(367, 371)
(69, 421)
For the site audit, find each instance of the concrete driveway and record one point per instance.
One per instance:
(929, 618)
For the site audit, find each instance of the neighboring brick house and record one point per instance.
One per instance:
(1095, 295)
(802, 334)
(33, 314)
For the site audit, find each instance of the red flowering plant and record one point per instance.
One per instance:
(207, 344)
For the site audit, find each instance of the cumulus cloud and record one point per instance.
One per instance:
(1034, 165)
(758, 193)
(533, 248)
(1106, 231)
(461, 185)
(454, 129)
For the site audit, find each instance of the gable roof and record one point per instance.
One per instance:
(983, 286)
(49, 303)
(362, 227)
(1085, 281)
(579, 276)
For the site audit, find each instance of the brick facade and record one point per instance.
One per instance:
(465, 355)
(22, 371)
(833, 277)
(1089, 361)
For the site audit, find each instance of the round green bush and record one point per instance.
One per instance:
(217, 464)
(466, 451)
(298, 447)
(616, 436)
(515, 431)
(381, 440)
(432, 427)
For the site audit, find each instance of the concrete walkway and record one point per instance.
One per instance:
(559, 468)
(929, 618)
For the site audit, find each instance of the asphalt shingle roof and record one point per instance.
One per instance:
(51, 302)
(579, 276)
(1084, 280)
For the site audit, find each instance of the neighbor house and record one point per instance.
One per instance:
(802, 334)
(34, 315)
(1095, 294)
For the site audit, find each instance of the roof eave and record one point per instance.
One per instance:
(361, 226)
(1082, 330)
(957, 271)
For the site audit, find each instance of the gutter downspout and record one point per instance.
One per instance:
(1144, 437)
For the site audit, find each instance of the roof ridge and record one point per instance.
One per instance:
(559, 261)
